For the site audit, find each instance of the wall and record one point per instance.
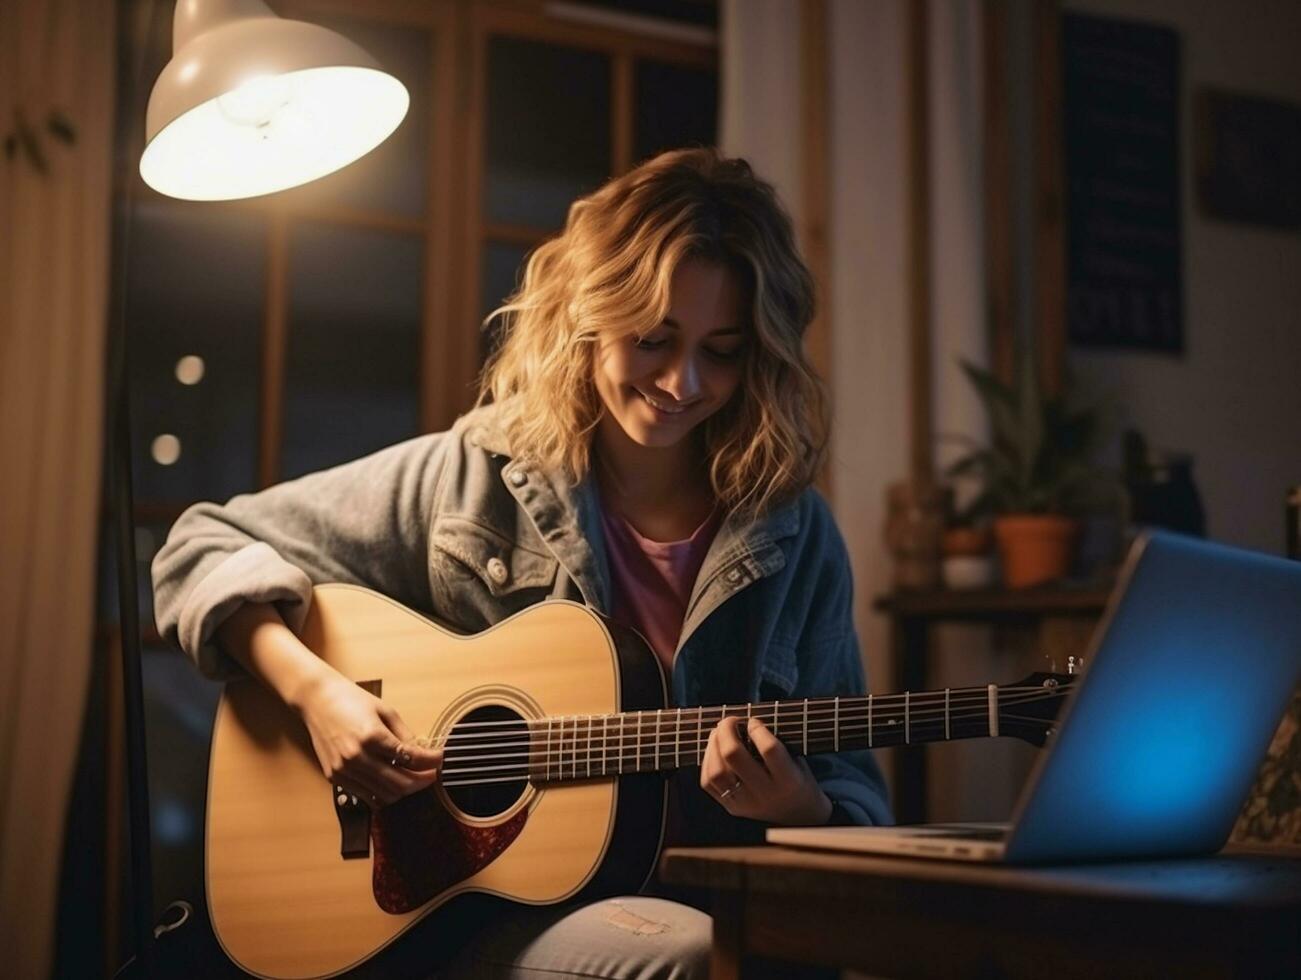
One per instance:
(1233, 398)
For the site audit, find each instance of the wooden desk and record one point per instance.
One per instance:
(911, 616)
(1233, 915)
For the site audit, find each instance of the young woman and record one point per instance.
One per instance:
(645, 442)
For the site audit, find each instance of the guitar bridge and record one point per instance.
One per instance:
(354, 815)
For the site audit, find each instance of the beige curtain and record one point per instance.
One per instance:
(54, 275)
(866, 49)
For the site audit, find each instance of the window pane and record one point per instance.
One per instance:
(394, 176)
(503, 269)
(548, 130)
(693, 12)
(196, 295)
(149, 538)
(676, 106)
(352, 378)
(180, 706)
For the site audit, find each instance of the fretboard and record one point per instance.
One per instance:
(593, 746)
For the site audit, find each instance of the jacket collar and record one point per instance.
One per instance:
(569, 520)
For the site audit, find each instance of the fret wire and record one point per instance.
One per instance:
(870, 732)
(700, 735)
(947, 732)
(637, 763)
(806, 726)
(659, 737)
(776, 719)
(835, 725)
(677, 742)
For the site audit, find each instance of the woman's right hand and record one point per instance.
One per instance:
(363, 744)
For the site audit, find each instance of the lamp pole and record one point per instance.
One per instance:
(249, 104)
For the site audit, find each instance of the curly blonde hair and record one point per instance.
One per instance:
(608, 273)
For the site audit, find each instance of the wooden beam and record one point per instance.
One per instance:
(815, 171)
(533, 22)
(275, 342)
(921, 457)
(1000, 282)
(623, 108)
(815, 179)
(1049, 198)
(438, 298)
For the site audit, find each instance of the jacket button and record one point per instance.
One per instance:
(497, 570)
(519, 477)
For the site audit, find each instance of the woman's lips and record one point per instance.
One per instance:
(662, 408)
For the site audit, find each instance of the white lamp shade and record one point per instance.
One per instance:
(251, 104)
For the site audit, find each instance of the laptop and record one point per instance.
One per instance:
(1188, 675)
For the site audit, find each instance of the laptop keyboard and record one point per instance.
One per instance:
(957, 830)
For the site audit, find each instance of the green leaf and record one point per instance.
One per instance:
(998, 399)
(62, 128)
(1030, 409)
(972, 462)
(31, 145)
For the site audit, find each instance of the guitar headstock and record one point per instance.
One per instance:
(1028, 709)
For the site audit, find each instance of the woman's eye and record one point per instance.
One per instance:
(646, 343)
(724, 355)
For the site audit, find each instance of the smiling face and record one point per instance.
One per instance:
(660, 386)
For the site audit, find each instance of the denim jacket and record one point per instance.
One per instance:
(455, 527)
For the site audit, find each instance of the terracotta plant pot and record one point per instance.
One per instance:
(965, 541)
(1035, 548)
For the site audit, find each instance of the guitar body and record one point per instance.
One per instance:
(304, 883)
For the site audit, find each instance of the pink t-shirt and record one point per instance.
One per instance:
(652, 580)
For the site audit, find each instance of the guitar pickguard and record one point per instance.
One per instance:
(422, 850)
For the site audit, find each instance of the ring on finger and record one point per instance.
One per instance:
(730, 790)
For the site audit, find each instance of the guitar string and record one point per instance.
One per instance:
(583, 752)
(634, 720)
(577, 741)
(821, 705)
(878, 699)
(531, 773)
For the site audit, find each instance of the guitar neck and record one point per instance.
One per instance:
(591, 746)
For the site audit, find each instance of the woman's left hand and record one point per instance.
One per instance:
(775, 787)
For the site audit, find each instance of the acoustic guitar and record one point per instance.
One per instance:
(557, 736)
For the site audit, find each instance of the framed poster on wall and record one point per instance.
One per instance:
(1124, 221)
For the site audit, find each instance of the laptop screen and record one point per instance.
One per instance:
(1190, 672)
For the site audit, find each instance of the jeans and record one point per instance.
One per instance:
(633, 937)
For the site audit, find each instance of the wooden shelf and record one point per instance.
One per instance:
(994, 604)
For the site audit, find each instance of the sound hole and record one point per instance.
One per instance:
(485, 766)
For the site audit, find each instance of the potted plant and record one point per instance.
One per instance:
(1034, 474)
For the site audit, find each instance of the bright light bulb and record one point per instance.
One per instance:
(166, 449)
(190, 369)
(257, 102)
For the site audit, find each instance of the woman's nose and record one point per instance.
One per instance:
(682, 379)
